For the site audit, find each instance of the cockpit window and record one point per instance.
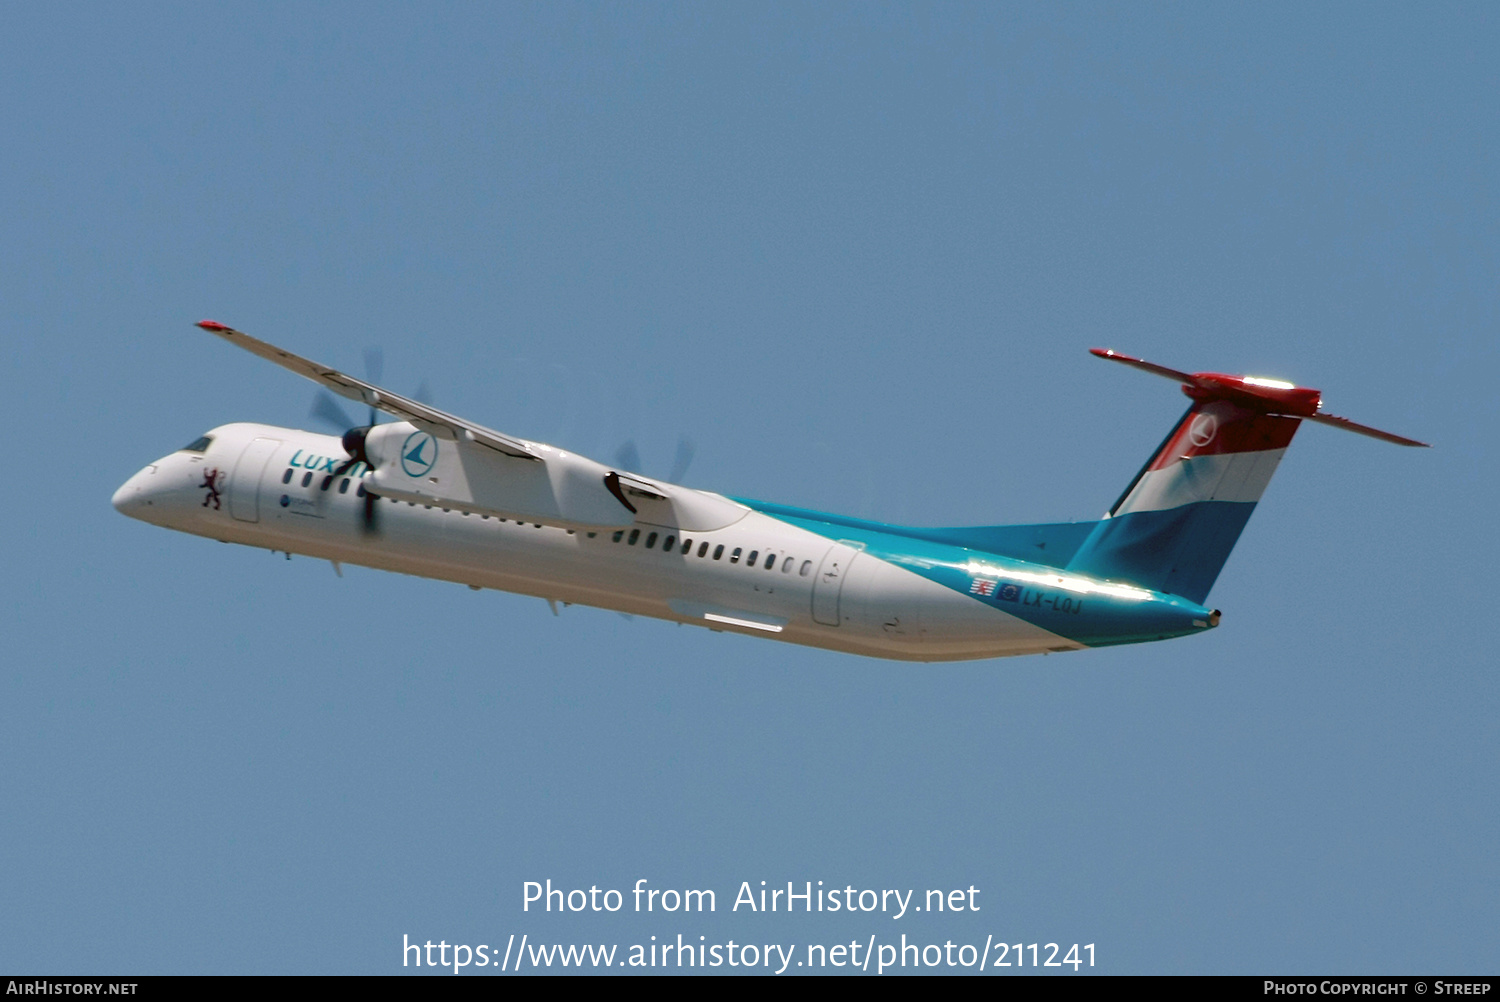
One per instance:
(199, 445)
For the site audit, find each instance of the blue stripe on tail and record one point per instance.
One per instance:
(1179, 551)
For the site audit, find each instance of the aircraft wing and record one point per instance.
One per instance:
(430, 419)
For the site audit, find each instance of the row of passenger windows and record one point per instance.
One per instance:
(307, 478)
(667, 545)
(753, 560)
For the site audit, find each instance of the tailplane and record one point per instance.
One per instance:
(1175, 525)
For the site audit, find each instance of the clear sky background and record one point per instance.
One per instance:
(857, 253)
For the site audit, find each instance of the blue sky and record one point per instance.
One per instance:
(857, 253)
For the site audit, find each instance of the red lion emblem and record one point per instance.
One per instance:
(211, 481)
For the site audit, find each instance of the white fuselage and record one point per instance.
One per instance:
(747, 572)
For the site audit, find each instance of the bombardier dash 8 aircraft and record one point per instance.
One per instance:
(439, 496)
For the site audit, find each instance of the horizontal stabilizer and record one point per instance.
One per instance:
(1364, 429)
(1255, 393)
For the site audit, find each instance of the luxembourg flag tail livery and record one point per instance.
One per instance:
(1173, 527)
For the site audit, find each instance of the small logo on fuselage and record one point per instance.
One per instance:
(418, 453)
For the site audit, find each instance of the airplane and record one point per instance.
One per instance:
(437, 496)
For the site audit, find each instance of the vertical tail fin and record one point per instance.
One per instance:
(1173, 528)
(1175, 525)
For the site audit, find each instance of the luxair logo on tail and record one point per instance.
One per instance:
(418, 453)
(1203, 430)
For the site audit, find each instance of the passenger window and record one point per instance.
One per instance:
(734, 557)
(344, 486)
(806, 569)
(286, 477)
(718, 550)
(327, 482)
(703, 548)
(770, 561)
(361, 492)
(619, 535)
(668, 543)
(593, 534)
(786, 565)
(751, 561)
(651, 541)
(687, 547)
(306, 478)
(634, 535)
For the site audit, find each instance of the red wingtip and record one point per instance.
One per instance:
(212, 325)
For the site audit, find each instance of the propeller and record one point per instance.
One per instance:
(329, 411)
(374, 364)
(628, 458)
(685, 452)
(326, 409)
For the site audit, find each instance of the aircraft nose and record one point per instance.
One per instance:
(132, 495)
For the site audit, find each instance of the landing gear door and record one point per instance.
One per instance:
(829, 584)
(244, 482)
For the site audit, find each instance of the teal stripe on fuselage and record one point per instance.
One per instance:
(1095, 619)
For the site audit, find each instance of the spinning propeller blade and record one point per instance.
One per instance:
(327, 410)
(685, 452)
(628, 457)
